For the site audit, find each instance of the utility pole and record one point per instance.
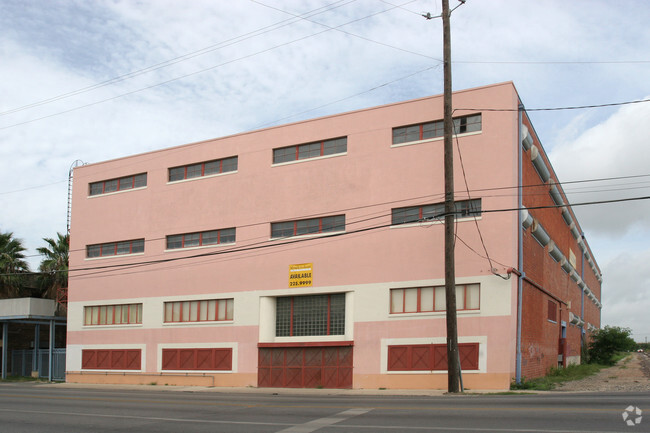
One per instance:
(453, 364)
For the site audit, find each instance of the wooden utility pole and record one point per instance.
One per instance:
(453, 367)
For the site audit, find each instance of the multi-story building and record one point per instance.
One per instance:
(311, 254)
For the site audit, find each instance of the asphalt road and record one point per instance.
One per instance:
(26, 407)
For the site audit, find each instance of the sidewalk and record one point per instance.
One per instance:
(274, 391)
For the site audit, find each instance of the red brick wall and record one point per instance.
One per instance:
(548, 281)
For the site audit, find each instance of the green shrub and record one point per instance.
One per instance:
(607, 342)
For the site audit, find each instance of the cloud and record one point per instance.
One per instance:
(626, 302)
(614, 148)
(72, 45)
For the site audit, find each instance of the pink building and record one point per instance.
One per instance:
(311, 255)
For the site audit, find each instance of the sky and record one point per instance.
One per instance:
(95, 80)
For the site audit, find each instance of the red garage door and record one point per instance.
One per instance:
(305, 367)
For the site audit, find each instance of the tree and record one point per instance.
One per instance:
(13, 267)
(607, 341)
(54, 265)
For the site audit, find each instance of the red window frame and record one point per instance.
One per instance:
(206, 359)
(109, 249)
(98, 310)
(296, 148)
(430, 357)
(318, 221)
(201, 234)
(463, 209)
(460, 123)
(179, 305)
(328, 329)
(185, 167)
(419, 295)
(111, 359)
(119, 184)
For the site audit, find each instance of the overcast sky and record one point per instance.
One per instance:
(96, 80)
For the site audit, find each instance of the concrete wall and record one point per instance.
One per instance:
(365, 183)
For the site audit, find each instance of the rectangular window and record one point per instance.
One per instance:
(217, 359)
(208, 310)
(310, 315)
(552, 311)
(201, 239)
(435, 212)
(435, 129)
(111, 359)
(310, 150)
(121, 184)
(430, 357)
(122, 314)
(308, 226)
(115, 248)
(201, 169)
(429, 299)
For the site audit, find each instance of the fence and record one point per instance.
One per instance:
(22, 362)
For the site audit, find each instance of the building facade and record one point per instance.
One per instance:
(311, 255)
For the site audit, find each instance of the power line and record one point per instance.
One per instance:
(467, 191)
(576, 107)
(197, 72)
(278, 243)
(184, 57)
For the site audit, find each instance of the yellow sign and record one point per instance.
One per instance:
(300, 275)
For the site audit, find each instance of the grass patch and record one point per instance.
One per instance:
(618, 356)
(557, 376)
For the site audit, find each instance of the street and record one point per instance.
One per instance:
(34, 408)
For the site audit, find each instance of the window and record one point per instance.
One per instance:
(111, 359)
(120, 184)
(412, 214)
(429, 299)
(201, 169)
(218, 359)
(211, 310)
(123, 314)
(552, 311)
(310, 315)
(308, 226)
(425, 131)
(201, 239)
(310, 150)
(115, 248)
(429, 357)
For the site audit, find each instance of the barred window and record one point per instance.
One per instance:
(122, 314)
(310, 315)
(425, 131)
(201, 239)
(115, 248)
(429, 299)
(308, 226)
(208, 310)
(310, 150)
(201, 169)
(433, 212)
(120, 184)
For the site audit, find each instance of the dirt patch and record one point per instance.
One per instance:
(630, 374)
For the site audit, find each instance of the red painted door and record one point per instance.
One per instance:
(305, 367)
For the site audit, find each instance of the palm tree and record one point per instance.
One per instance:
(13, 267)
(54, 265)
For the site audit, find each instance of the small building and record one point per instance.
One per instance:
(311, 255)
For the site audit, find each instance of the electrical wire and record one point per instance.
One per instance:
(274, 243)
(576, 107)
(198, 72)
(184, 57)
